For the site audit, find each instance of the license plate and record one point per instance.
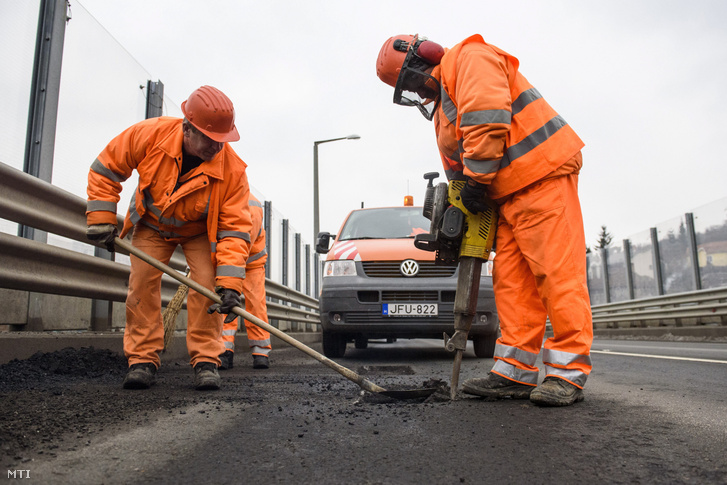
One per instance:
(409, 309)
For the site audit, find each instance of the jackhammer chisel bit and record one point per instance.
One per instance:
(465, 307)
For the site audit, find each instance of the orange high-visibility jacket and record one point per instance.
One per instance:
(492, 125)
(258, 251)
(212, 198)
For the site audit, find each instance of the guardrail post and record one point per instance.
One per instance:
(693, 254)
(657, 261)
(286, 261)
(42, 116)
(604, 263)
(307, 278)
(268, 224)
(154, 99)
(284, 258)
(102, 310)
(307, 269)
(297, 261)
(297, 242)
(629, 272)
(44, 90)
(267, 219)
(316, 275)
(630, 277)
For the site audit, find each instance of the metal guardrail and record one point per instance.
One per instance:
(705, 306)
(34, 266)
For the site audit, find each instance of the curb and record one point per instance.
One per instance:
(702, 332)
(22, 345)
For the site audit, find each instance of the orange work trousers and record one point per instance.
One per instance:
(539, 273)
(144, 332)
(253, 289)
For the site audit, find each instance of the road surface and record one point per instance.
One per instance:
(655, 412)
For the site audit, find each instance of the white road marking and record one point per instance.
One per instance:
(691, 359)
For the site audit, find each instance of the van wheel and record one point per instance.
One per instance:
(361, 342)
(485, 346)
(334, 345)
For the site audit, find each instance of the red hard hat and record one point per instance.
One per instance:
(212, 113)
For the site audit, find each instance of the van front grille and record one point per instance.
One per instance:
(378, 318)
(390, 269)
(399, 296)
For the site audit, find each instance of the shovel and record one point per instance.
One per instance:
(345, 372)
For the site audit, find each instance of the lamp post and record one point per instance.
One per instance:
(316, 213)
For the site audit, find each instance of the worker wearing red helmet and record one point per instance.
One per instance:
(495, 131)
(253, 289)
(192, 192)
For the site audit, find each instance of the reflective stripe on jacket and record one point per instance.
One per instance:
(258, 251)
(211, 198)
(493, 125)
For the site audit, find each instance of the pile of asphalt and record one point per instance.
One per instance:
(42, 369)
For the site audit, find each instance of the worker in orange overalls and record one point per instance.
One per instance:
(193, 192)
(253, 289)
(495, 131)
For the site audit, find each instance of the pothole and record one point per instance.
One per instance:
(441, 393)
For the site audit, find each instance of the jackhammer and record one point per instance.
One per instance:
(458, 237)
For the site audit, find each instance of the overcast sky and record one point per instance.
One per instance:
(641, 82)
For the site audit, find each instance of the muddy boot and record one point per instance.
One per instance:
(140, 376)
(226, 359)
(206, 377)
(556, 392)
(260, 362)
(497, 387)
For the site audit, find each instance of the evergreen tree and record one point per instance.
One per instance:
(604, 238)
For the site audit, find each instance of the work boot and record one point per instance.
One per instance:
(556, 392)
(226, 359)
(206, 377)
(140, 376)
(260, 362)
(496, 386)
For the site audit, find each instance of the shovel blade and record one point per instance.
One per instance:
(409, 394)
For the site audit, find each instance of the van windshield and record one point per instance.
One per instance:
(386, 223)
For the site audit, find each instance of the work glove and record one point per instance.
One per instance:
(230, 299)
(103, 233)
(473, 194)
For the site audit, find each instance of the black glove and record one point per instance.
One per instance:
(103, 233)
(472, 195)
(230, 299)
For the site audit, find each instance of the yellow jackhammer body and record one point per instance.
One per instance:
(458, 236)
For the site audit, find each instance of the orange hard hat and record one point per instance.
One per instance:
(390, 60)
(212, 113)
(394, 52)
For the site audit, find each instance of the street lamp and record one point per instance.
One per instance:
(316, 213)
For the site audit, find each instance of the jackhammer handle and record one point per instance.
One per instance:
(430, 176)
(345, 372)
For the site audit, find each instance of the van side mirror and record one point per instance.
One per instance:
(323, 242)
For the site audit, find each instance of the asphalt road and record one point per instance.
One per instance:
(646, 419)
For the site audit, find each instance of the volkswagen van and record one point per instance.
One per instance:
(376, 285)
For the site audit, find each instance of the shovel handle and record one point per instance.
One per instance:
(345, 372)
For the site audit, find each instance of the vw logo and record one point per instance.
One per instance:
(409, 268)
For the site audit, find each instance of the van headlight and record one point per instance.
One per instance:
(344, 267)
